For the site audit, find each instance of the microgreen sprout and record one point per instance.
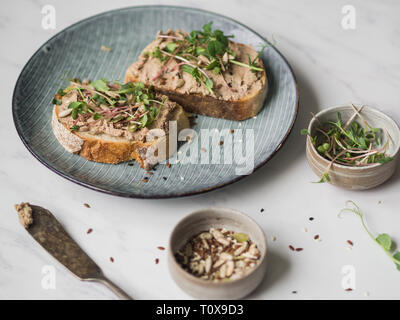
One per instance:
(130, 105)
(349, 143)
(383, 239)
(201, 51)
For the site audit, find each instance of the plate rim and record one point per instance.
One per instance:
(135, 195)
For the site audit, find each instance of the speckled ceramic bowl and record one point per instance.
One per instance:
(355, 178)
(218, 218)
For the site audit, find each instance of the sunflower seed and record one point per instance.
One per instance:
(65, 113)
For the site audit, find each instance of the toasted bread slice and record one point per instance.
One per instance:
(111, 145)
(238, 92)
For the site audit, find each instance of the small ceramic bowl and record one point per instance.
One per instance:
(355, 178)
(203, 220)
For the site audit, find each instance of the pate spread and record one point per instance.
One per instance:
(233, 83)
(111, 112)
(24, 214)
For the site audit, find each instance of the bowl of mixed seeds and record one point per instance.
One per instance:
(353, 147)
(217, 253)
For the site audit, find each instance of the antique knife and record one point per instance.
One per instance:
(49, 233)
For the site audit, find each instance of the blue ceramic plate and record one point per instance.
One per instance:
(76, 51)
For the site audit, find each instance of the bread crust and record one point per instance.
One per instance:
(111, 151)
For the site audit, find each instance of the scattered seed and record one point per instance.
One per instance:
(157, 260)
(165, 178)
(316, 237)
(231, 131)
(203, 150)
(65, 113)
(311, 218)
(86, 205)
(379, 202)
(130, 164)
(262, 210)
(291, 247)
(105, 48)
(349, 289)
(144, 180)
(273, 238)
(89, 230)
(350, 242)
(160, 248)
(294, 292)
(168, 165)
(111, 259)
(221, 142)
(149, 172)
(299, 249)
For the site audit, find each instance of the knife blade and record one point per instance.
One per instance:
(42, 225)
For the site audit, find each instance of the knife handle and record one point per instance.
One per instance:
(114, 288)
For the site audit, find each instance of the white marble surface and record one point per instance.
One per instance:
(332, 65)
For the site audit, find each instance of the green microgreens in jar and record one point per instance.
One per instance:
(350, 143)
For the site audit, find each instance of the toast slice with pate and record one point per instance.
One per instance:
(204, 72)
(111, 123)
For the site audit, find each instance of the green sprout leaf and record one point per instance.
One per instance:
(171, 47)
(324, 178)
(97, 116)
(143, 121)
(157, 53)
(56, 101)
(117, 119)
(385, 160)
(74, 128)
(397, 257)
(100, 85)
(75, 104)
(384, 241)
(207, 82)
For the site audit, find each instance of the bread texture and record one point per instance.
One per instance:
(238, 92)
(107, 148)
